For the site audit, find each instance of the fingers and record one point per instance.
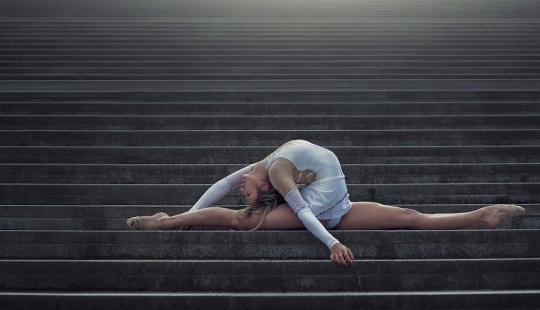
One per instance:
(339, 259)
(343, 258)
(350, 256)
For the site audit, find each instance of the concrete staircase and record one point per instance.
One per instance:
(110, 109)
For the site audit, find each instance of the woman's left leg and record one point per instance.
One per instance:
(370, 215)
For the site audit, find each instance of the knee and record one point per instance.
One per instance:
(411, 212)
(413, 218)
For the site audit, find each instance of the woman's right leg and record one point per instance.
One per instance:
(282, 217)
(209, 217)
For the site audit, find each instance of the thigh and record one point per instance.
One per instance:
(281, 218)
(371, 215)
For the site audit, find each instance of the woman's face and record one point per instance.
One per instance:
(250, 188)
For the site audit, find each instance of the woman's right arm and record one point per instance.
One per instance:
(220, 189)
(281, 177)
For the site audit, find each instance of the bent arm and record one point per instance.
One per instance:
(220, 189)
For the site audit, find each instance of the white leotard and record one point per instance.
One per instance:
(298, 162)
(318, 168)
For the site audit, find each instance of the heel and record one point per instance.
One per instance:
(131, 222)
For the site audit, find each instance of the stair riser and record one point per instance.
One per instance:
(8, 223)
(209, 174)
(274, 276)
(109, 92)
(464, 244)
(279, 122)
(165, 194)
(463, 300)
(239, 138)
(245, 155)
(386, 111)
(304, 54)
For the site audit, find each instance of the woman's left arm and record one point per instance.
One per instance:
(220, 189)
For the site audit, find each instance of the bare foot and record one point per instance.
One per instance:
(146, 222)
(500, 212)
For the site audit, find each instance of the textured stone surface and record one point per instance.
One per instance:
(110, 109)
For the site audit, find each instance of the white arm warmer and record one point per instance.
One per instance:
(220, 189)
(307, 217)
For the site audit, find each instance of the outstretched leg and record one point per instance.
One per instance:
(280, 218)
(209, 217)
(370, 215)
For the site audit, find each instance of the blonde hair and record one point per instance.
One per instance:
(265, 203)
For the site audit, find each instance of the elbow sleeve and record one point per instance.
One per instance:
(220, 189)
(299, 206)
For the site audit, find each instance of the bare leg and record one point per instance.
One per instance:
(370, 215)
(211, 217)
(280, 218)
(363, 215)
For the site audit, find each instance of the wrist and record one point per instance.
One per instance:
(333, 243)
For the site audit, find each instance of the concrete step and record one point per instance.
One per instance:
(207, 174)
(277, 27)
(174, 194)
(424, 24)
(229, 79)
(394, 53)
(282, 45)
(224, 244)
(407, 41)
(233, 91)
(113, 217)
(249, 154)
(20, 57)
(251, 276)
(280, 71)
(420, 90)
(162, 66)
(238, 111)
(203, 138)
(239, 34)
(269, 41)
(277, 11)
(124, 15)
(15, 122)
(240, 25)
(477, 299)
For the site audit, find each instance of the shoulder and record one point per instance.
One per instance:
(261, 163)
(281, 166)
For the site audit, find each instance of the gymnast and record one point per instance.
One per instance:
(275, 202)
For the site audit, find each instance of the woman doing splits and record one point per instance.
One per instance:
(322, 205)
